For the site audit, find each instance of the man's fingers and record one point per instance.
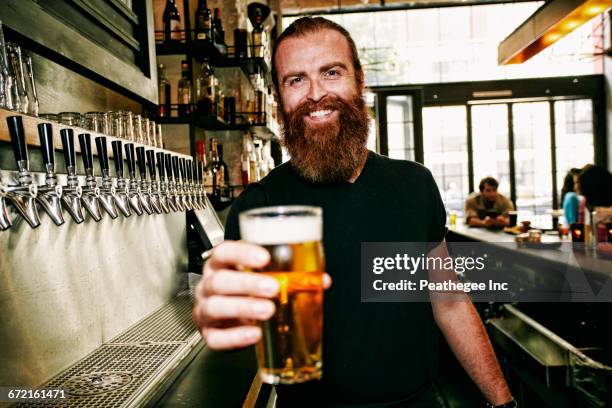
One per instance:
(232, 253)
(235, 337)
(227, 282)
(235, 307)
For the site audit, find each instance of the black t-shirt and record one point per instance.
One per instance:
(372, 352)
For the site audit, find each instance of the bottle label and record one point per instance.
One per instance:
(175, 30)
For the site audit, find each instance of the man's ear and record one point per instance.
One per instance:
(361, 80)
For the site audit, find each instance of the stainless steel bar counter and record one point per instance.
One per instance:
(554, 354)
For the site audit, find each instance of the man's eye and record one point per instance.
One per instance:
(295, 81)
(332, 74)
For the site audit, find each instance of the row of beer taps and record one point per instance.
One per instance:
(178, 189)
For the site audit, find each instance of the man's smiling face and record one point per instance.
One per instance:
(312, 67)
(325, 120)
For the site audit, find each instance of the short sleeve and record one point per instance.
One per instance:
(470, 209)
(508, 206)
(253, 197)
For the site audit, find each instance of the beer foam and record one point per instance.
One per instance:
(281, 230)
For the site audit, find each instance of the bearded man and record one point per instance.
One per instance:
(374, 354)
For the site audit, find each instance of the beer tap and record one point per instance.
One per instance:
(22, 195)
(121, 197)
(195, 194)
(164, 192)
(145, 190)
(50, 195)
(178, 193)
(185, 197)
(156, 199)
(71, 192)
(189, 184)
(171, 201)
(91, 193)
(107, 190)
(133, 190)
(5, 221)
(199, 183)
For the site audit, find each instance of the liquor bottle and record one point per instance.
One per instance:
(184, 91)
(216, 169)
(172, 22)
(244, 160)
(205, 89)
(203, 22)
(253, 164)
(163, 109)
(225, 190)
(207, 176)
(217, 27)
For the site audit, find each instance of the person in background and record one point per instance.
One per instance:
(487, 209)
(595, 184)
(570, 201)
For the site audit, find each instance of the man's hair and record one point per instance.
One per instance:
(488, 180)
(309, 25)
(596, 185)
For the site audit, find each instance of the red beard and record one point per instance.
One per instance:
(330, 152)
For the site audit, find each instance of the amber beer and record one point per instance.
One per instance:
(290, 349)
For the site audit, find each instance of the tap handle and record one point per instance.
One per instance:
(118, 156)
(160, 165)
(168, 163)
(189, 170)
(175, 167)
(15, 126)
(102, 152)
(151, 163)
(85, 143)
(68, 146)
(130, 157)
(182, 168)
(200, 171)
(142, 164)
(45, 135)
(194, 165)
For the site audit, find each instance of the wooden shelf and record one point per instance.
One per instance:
(30, 124)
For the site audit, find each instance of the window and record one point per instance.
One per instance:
(400, 127)
(491, 156)
(573, 136)
(533, 166)
(445, 152)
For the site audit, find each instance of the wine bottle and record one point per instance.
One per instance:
(203, 22)
(217, 26)
(163, 108)
(184, 91)
(172, 22)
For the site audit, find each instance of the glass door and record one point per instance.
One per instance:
(445, 152)
(532, 156)
(490, 152)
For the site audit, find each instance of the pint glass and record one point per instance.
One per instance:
(290, 349)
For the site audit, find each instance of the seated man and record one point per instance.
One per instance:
(488, 208)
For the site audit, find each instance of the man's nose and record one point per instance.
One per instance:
(316, 90)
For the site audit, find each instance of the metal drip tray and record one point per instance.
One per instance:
(129, 369)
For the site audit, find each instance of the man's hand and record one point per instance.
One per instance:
(502, 221)
(228, 301)
(489, 222)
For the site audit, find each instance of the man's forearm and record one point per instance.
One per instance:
(466, 336)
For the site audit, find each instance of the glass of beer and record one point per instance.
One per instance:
(290, 350)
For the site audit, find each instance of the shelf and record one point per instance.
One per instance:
(265, 131)
(216, 54)
(30, 124)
